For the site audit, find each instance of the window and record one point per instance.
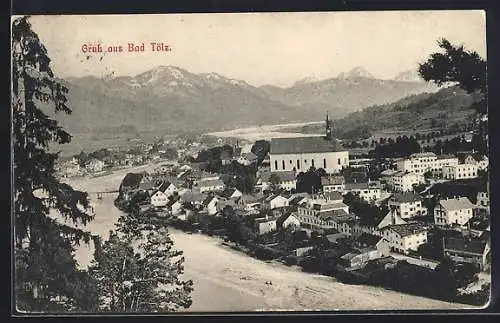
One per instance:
(338, 161)
(298, 164)
(312, 162)
(283, 164)
(276, 165)
(291, 161)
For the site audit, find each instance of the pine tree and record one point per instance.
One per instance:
(141, 275)
(45, 268)
(466, 69)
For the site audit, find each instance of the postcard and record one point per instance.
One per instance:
(248, 162)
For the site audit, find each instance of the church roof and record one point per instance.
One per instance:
(299, 145)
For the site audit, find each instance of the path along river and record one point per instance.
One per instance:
(225, 280)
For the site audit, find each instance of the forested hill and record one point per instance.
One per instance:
(445, 108)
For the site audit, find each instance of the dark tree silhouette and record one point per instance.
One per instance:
(39, 237)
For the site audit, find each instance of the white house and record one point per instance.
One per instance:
(333, 183)
(285, 180)
(211, 185)
(407, 205)
(231, 193)
(456, 210)
(483, 199)
(405, 237)
(288, 220)
(421, 163)
(322, 214)
(274, 201)
(369, 191)
(247, 159)
(405, 181)
(460, 171)
(474, 158)
(265, 225)
(210, 205)
(159, 199)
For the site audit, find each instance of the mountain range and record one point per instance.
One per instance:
(169, 99)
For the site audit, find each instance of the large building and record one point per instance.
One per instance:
(461, 171)
(407, 205)
(421, 163)
(451, 211)
(301, 153)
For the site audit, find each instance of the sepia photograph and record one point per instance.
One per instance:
(250, 162)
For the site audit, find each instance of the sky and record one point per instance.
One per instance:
(260, 48)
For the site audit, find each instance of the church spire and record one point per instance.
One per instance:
(328, 129)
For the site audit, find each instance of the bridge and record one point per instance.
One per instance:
(101, 193)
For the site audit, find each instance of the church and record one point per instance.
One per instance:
(301, 153)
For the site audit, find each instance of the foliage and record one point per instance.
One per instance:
(239, 176)
(261, 148)
(34, 85)
(310, 180)
(403, 146)
(144, 278)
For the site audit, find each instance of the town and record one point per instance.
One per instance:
(397, 222)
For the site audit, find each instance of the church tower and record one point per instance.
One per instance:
(329, 131)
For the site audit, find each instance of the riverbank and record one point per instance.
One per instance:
(227, 280)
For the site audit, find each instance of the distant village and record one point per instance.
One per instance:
(287, 198)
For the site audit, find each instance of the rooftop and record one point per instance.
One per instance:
(332, 180)
(423, 155)
(303, 145)
(407, 229)
(465, 245)
(457, 203)
(406, 197)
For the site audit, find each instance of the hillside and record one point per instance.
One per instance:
(444, 108)
(348, 92)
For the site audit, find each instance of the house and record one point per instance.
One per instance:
(407, 205)
(231, 193)
(318, 214)
(333, 183)
(474, 158)
(168, 188)
(295, 200)
(287, 220)
(483, 199)
(247, 159)
(466, 250)
(300, 153)
(226, 157)
(404, 181)
(160, 197)
(421, 163)
(274, 201)
(285, 180)
(391, 218)
(211, 185)
(460, 171)
(95, 165)
(379, 243)
(250, 203)
(369, 191)
(451, 211)
(405, 237)
(366, 248)
(265, 225)
(210, 205)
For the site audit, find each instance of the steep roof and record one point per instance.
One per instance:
(329, 206)
(208, 199)
(455, 204)
(228, 192)
(390, 219)
(465, 245)
(250, 156)
(406, 197)
(302, 145)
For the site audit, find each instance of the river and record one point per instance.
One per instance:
(226, 280)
